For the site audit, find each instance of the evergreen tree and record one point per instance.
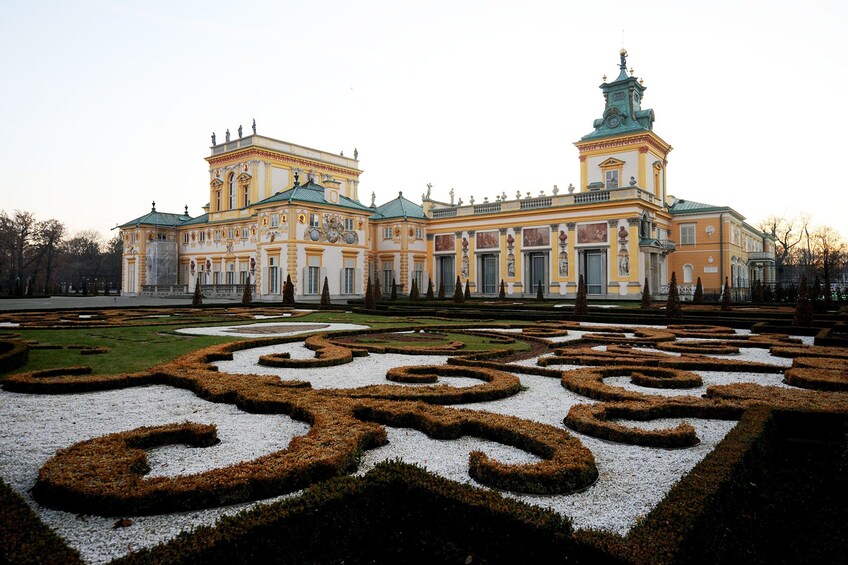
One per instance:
(540, 294)
(725, 295)
(430, 295)
(698, 297)
(106, 289)
(288, 292)
(466, 294)
(441, 290)
(804, 307)
(816, 294)
(458, 295)
(759, 292)
(646, 295)
(768, 295)
(84, 288)
(502, 293)
(672, 304)
(370, 303)
(779, 293)
(246, 296)
(413, 291)
(393, 295)
(197, 298)
(325, 293)
(581, 305)
(378, 292)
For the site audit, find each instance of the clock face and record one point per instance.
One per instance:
(613, 121)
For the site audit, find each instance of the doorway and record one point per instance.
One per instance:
(595, 268)
(446, 272)
(537, 271)
(488, 277)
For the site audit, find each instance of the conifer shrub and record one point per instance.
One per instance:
(502, 293)
(804, 307)
(441, 290)
(370, 303)
(581, 305)
(466, 294)
(672, 305)
(414, 296)
(246, 296)
(759, 292)
(288, 292)
(698, 296)
(393, 293)
(458, 295)
(540, 294)
(430, 295)
(378, 292)
(725, 295)
(815, 293)
(779, 292)
(768, 294)
(325, 293)
(197, 298)
(646, 295)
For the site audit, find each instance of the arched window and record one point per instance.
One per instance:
(688, 272)
(232, 190)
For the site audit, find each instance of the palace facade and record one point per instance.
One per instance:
(280, 210)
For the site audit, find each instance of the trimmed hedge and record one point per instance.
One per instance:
(820, 373)
(14, 353)
(23, 536)
(395, 513)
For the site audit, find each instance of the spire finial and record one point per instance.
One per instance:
(153, 209)
(296, 178)
(186, 209)
(623, 54)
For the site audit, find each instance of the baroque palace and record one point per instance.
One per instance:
(277, 209)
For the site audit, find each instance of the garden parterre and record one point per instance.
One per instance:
(562, 431)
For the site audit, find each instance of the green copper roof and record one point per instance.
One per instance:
(400, 207)
(690, 206)
(203, 219)
(154, 218)
(311, 192)
(623, 113)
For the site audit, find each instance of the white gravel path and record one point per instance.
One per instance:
(34, 427)
(632, 479)
(288, 328)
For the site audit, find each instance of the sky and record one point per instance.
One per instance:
(106, 106)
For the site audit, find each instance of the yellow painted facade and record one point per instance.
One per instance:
(279, 210)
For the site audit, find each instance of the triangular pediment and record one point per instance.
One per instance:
(612, 162)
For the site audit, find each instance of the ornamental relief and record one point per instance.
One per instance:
(331, 231)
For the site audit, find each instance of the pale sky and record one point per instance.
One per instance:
(108, 105)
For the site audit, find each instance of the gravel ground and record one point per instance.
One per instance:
(632, 479)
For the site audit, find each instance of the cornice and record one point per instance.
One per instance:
(264, 153)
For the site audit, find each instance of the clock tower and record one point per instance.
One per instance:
(623, 151)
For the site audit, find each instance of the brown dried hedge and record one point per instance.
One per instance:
(14, 353)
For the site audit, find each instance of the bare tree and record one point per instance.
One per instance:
(49, 237)
(787, 233)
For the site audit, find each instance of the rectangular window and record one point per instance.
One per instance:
(312, 284)
(201, 236)
(217, 235)
(245, 196)
(231, 273)
(185, 238)
(387, 233)
(230, 233)
(232, 198)
(612, 179)
(244, 233)
(243, 275)
(418, 275)
(348, 224)
(419, 233)
(314, 221)
(273, 276)
(687, 234)
(275, 221)
(388, 275)
(216, 275)
(217, 200)
(349, 280)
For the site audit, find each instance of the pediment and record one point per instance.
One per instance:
(611, 162)
(216, 183)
